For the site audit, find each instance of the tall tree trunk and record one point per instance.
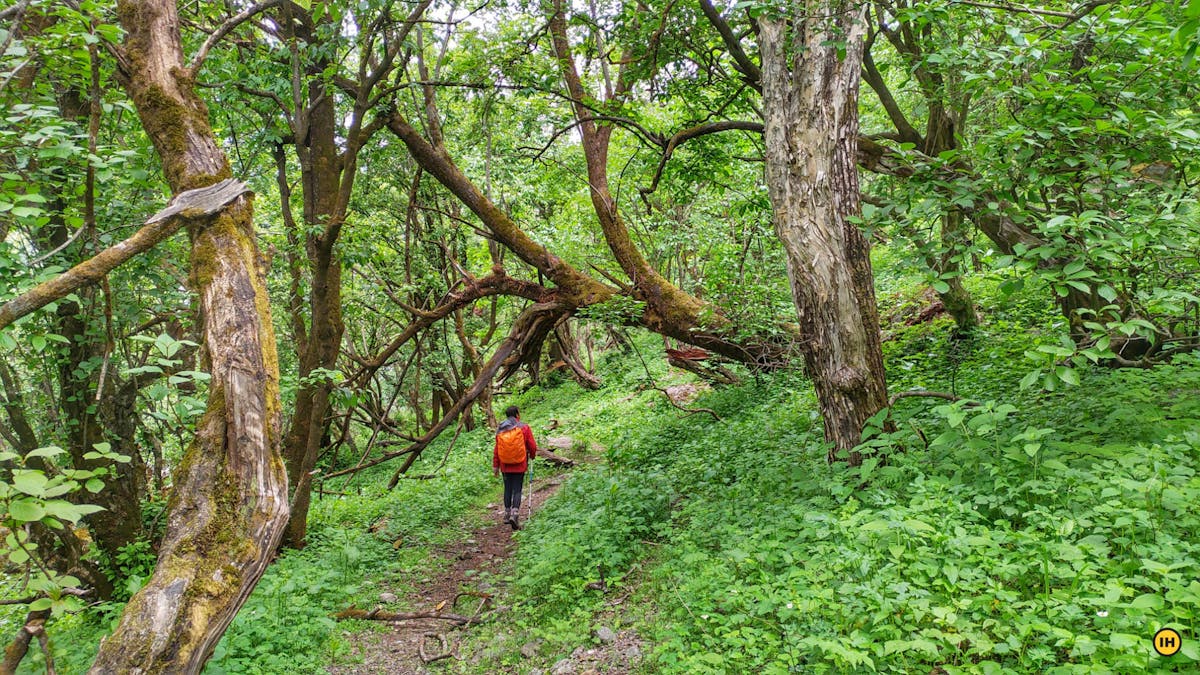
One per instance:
(320, 168)
(810, 100)
(229, 504)
(940, 136)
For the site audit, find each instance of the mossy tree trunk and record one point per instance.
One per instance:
(327, 143)
(229, 504)
(810, 76)
(956, 298)
(315, 128)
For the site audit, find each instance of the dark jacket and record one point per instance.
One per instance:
(530, 447)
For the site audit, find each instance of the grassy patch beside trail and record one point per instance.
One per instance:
(1036, 532)
(1020, 531)
(285, 627)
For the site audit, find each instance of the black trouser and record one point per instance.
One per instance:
(512, 489)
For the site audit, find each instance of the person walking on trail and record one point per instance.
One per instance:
(514, 448)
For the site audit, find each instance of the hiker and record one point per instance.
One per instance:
(514, 448)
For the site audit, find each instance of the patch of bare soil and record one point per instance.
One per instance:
(617, 654)
(405, 646)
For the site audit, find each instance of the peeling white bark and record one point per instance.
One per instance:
(810, 103)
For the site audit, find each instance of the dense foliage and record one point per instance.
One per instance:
(554, 204)
(1028, 532)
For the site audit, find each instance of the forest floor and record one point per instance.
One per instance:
(472, 570)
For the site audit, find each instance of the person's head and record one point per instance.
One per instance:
(512, 411)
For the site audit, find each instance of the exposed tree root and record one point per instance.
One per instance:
(445, 653)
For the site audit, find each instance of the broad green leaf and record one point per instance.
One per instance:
(1147, 601)
(26, 510)
(48, 451)
(30, 482)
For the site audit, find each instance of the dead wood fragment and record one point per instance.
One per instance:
(378, 614)
(690, 354)
(445, 653)
(204, 201)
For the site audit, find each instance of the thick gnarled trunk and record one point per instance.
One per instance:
(810, 97)
(229, 503)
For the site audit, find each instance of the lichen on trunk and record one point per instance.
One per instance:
(228, 506)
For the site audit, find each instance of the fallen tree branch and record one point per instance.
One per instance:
(554, 459)
(20, 601)
(716, 373)
(689, 411)
(378, 614)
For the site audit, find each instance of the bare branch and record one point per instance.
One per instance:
(1078, 14)
(872, 76)
(696, 132)
(748, 68)
(531, 325)
(223, 30)
(487, 286)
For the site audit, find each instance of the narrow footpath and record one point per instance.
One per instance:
(405, 646)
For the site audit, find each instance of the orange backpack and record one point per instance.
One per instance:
(510, 445)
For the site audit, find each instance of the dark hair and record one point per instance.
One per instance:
(511, 411)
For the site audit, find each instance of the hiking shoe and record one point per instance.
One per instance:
(507, 516)
(514, 522)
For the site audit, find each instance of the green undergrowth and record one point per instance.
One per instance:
(1020, 531)
(1013, 531)
(360, 546)
(369, 541)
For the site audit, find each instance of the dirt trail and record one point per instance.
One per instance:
(397, 651)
